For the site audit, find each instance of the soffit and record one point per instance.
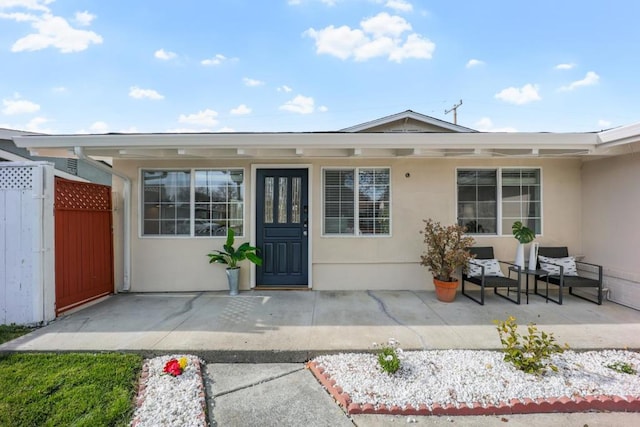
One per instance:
(314, 145)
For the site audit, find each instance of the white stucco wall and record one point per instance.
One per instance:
(611, 195)
(180, 264)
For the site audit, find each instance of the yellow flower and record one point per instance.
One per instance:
(183, 362)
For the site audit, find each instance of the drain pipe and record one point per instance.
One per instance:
(126, 286)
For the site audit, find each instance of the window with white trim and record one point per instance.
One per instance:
(357, 201)
(518, 190)
(202, 202)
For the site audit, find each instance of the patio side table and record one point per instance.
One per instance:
(527, 272)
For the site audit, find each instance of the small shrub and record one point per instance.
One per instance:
(530, 353)
(622, 367)
(388, 356)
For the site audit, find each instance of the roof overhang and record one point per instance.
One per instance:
(320, 145)
(619, 141)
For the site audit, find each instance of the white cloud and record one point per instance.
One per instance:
(99, 127)
(19, 17)
(252, 82)
(216, 60)
(485, 124)
(164, 55)
(323, 109)
(59, 89)
(589, 80)
(54, 31)
(84, 18)
(19, 106)
(27, 4)
(226, 129)
(35, 125)
(300, 104)
(284, 88)
(139, 93)
(474, 63)
(399, 5)
(240, 110)
(384, 24)
(604, 124)
(203, 118)
(519, 96)
(564, 66)
(378, 36)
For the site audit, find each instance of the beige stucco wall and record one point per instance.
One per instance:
(611, 195)
(180, 264)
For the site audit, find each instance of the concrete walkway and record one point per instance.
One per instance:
(278, 331)
(293, 326)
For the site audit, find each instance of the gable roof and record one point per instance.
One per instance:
(385, 124)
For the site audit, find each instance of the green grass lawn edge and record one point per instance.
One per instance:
(70, 389)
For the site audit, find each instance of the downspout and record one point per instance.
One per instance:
(126, 286)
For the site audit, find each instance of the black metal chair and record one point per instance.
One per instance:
(563, 281)
(495, 282)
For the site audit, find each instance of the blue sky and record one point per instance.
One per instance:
(72, 66)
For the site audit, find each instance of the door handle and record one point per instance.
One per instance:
(304, 233)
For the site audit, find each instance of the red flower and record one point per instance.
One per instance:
(173, 368)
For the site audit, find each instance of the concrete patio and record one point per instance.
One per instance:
(292, 326)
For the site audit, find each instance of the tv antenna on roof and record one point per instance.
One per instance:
(455, 112)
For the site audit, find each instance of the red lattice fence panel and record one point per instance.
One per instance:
(83, 242)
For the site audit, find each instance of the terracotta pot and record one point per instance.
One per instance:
(445, 291)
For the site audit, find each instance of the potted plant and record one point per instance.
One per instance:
(231, 257)
(447, 249)
(523, 235)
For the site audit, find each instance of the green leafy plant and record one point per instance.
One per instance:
(522, 234)
(622, 367)
(530, 353)
(231, 256)
(447, 249)
(388, 356)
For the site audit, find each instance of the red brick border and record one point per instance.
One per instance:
(514, 406)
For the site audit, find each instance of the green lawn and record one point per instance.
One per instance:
(71, 389)
(10, 332)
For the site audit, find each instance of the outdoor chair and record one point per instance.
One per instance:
(484, 271)
(564, 273)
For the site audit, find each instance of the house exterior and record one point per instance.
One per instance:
(343, 210)
(68, 168)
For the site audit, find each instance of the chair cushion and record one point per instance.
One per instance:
(569, 264)
(491, 268)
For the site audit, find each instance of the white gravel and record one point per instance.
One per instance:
(471, 376)
(165, 400)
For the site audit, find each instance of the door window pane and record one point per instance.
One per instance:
(296, 195)
(268, 200)
(282, 199)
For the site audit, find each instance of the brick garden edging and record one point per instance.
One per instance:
(514, 406)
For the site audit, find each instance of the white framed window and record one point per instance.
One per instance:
(356, 201)
(489, 201)
(192, 202)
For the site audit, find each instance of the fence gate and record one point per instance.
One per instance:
(83, 243)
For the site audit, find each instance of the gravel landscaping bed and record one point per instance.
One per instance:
(165, 400)
(471, 378)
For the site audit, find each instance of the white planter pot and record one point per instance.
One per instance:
(533, 256)
(520, 255)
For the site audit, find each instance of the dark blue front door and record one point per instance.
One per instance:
(282, 231)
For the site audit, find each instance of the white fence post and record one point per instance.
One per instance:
(27, 275)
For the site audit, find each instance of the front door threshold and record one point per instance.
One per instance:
(282, 288)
